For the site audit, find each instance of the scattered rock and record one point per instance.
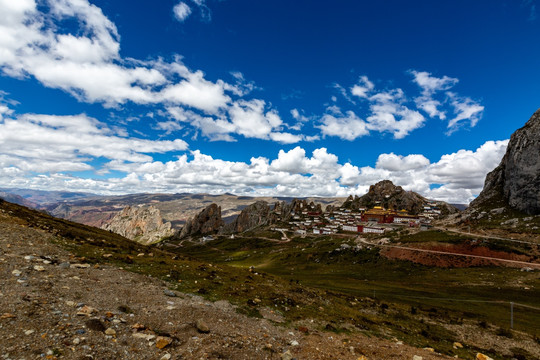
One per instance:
(86, 310)
(481, 356)
(416, 357)
(170, 293)
(79, 266)
(110, 331)
(16, 272)
(39, 268)
(28, 332)
(294, 343)
(286, 355)
(7, 316)
(144, 336)
(64, 265)
(458, 345)
(163, 341)
(202, 327)
(165, 357)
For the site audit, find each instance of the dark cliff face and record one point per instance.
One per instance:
(206, 222)
(516, 181)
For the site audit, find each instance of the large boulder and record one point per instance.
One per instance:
(516, 181)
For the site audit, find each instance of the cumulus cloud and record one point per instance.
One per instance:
(466, 110)
(44, 151)
(388, 113)
(181, 11)
(50, 144)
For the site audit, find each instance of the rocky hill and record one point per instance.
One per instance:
(142, 224)
(253, 216)
(390, 196)
(207, 222)
(515, 183)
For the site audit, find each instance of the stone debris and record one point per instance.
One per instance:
(481, 356)
(86, 311)
(169, 293)
(110, 331)
(163, 341)
(202, 327)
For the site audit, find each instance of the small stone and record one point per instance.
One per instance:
(202, 327)
(362, 358)
(110, 331)
(107, 255)
(147, 337)
(458, 345)
(39, 268)
(70, 303)
(28, 258)
(429, 349)
(257, 301)
(294, 343)
(7, 316)
(165, 357)
(481, 356)
(64, 265)
(16, 272)
(138, 327)
(163, 341)
(80, 266)
(286, 355)
(86, 310)
(76, 341)
(416, 357)
(170, 293)
(399, 342)
(28, 332)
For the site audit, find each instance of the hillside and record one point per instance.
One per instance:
(58, 304)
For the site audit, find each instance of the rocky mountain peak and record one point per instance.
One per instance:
(516, 181)
(208, 221)
(143, 224)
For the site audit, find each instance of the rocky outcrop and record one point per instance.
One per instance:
(390, 196)
(516, 181)
(206, 222)
(142, 224)
(251, 217)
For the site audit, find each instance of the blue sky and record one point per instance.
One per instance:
(293, 98)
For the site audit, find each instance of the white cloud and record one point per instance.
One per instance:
(393, 162)
(181, 11)
(431, 84)
(466, 110)
(45, 143)
(363, 88)
(345, 126)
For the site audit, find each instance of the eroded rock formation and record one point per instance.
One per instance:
(143, 224)
(206, 222)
